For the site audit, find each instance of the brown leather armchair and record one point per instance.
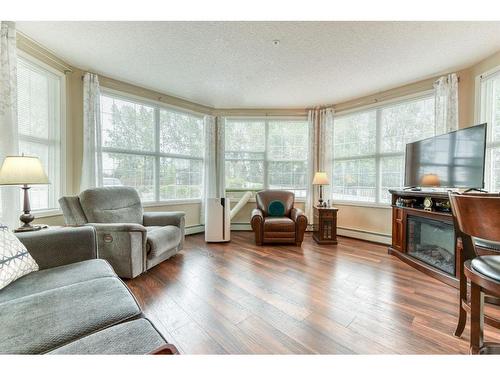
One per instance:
(289, 228)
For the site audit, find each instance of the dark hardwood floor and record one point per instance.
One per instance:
(347, 298)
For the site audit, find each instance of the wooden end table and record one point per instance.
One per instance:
(325, 225)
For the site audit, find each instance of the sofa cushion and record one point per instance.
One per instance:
(15, 260)
(162, 239)
(114, 204)
(45, 321)
(56, 277)
(279, 224)
(133, 337)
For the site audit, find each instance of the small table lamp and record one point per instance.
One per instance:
(320, 178)
(430, 180)
(23, 170)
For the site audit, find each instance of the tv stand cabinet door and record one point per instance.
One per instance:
(398, 228)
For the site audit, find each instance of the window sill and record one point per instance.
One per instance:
(361, 204)
(172, 202)
(47, 213)
(252, 200)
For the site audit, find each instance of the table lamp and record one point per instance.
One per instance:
(320, 178)
(430, 180)
(23, 170)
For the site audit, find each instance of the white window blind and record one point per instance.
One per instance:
(266, 154)
(369, 146)
(39, 123)
(490, 113)
(157, 150)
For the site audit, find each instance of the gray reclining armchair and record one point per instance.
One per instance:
(131, 240)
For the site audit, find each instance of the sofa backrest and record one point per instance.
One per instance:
(114, 204)
(72, 211)
(265, 197)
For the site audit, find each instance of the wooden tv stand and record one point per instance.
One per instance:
(408, 204)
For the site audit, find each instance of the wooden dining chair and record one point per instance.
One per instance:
(477, 216)
(469, 248)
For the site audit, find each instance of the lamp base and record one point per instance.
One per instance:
(28, 228)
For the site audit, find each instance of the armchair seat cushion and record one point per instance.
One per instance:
(42, 322)
(56, 277)
(279, 224)
(162, 239)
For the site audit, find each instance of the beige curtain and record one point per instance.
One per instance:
(320, 149)
(446, 104)
(9, 195)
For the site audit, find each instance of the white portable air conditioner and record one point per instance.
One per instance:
(217, 220)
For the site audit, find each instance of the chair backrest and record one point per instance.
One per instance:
(72, 211)
(477, 215)
(114, 204)
(265, 197)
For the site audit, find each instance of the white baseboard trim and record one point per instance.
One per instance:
(365, 235)
(341, 231)
(193, 229)
(240, 226)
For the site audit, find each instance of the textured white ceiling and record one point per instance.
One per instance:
(236, 64)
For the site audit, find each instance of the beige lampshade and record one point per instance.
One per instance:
(431, 180)
(20, 170)
(320, 178)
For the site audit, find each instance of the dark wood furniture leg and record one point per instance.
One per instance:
(462, 313)
(476, 319)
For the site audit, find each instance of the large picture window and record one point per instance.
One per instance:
(266, 154)
(39, 97)
(157, 150)
(369, 146)
(490, 113)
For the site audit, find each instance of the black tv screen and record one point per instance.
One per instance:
(452, 160)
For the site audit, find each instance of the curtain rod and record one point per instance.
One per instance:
(45, 53)
(380, 97)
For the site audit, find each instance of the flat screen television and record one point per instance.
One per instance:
(452, 160)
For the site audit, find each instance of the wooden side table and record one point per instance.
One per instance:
(325, 225)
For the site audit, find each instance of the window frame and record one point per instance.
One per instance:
(266, 159)
(378, 155)
(59, 142)
(156, 154)
(481, 116)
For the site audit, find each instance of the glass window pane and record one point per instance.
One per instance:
(288, 140)
(354, 180)
(181, 133)
(288, 176)
(245, 135)
(406, 122)
(129, 170)
(490, 113)
(391, 176)
(127, 125)
(180, 178)
(38, 99)
(355, 135)
(244, 174)
(35, 98)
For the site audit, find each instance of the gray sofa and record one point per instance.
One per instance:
(75, 303)
(130, 239)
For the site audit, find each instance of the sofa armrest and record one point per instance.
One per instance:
(55, 247)
(300, 219)
(162, 219)
(297, 214)
(257, 222)
(117, 227)
(123, 245)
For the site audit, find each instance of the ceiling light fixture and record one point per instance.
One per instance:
(276, 42)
